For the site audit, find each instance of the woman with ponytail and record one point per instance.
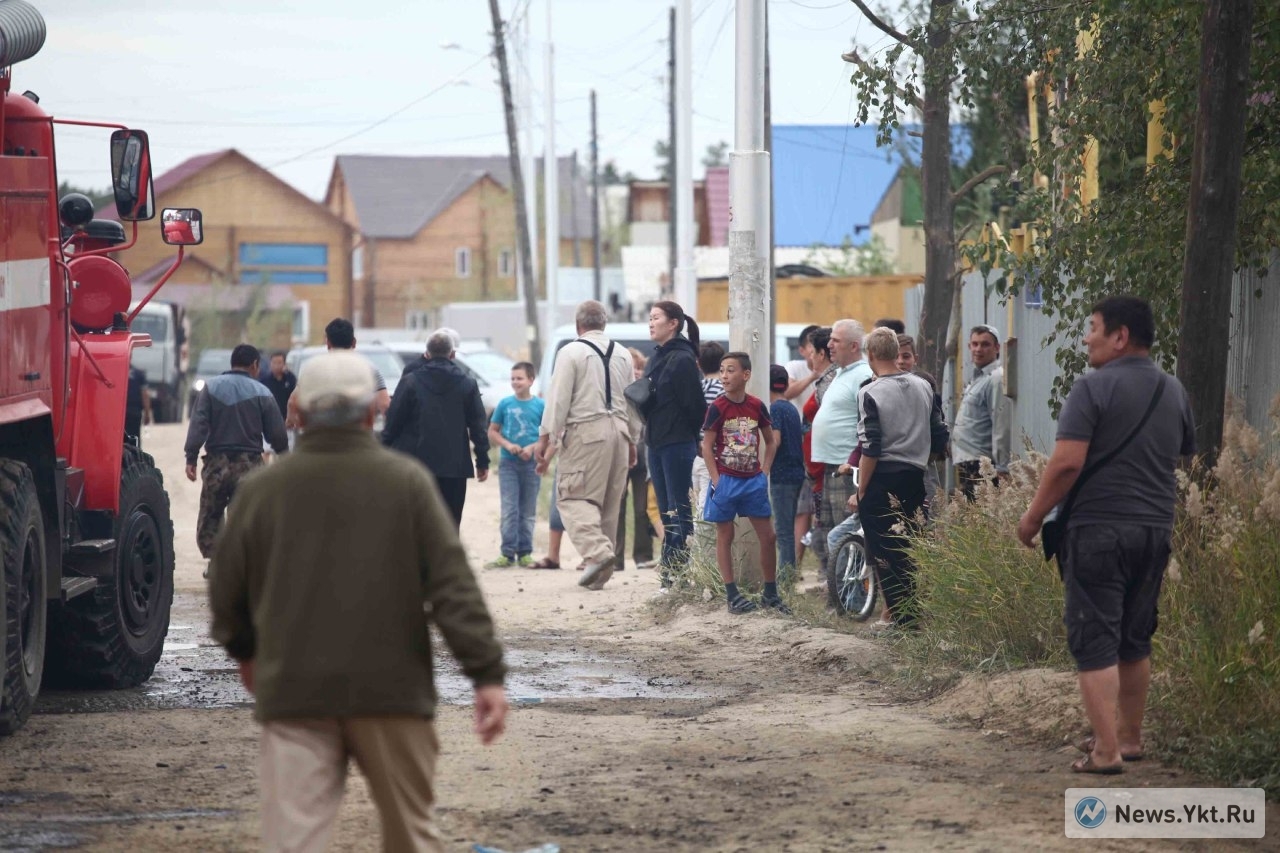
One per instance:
(673, 416)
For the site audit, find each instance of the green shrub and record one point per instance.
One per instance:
(984, 601)
(987, 604)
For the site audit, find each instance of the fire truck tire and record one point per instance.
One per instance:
(22, 595)
(113, 636)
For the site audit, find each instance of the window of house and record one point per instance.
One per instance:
(284, 263)
(506, 267)
(462, 263)
(357, 263)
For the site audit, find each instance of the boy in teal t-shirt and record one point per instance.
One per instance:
(513, 426)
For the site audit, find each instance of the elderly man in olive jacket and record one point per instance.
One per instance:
(333, 564)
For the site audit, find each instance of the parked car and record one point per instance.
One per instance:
(636, 335)
(212, 362)
(491, 391)
(383, 360)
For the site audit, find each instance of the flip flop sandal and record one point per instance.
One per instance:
(1086, 746)
(1087, 765)
(544, 563)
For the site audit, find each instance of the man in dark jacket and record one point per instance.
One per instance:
(334, 564)
(232, 415)
(436, 408)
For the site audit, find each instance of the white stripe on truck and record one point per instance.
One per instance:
(24, 283)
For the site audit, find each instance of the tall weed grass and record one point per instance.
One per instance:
(988, 604)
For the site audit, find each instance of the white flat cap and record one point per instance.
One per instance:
(333, 380)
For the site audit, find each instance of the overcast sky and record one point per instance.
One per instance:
(292, 84)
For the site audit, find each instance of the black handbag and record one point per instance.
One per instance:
(640, 393)
(1054, 527)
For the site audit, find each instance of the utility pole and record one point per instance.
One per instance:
(597, 286)
(530, 159)
(774, 358)
(573, 208)
(685, 286)
(750, 326)
(517, 191)
(671, 160)
(551, 186)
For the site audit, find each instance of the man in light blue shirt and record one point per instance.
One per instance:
(835, 427)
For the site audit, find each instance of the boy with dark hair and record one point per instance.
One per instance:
(737, 427)
(513, 426)
(786, 476)
(899, 327)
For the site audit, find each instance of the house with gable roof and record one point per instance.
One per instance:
(258, 230)
(428, 231)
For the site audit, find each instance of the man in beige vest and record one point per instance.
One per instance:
(588, 422)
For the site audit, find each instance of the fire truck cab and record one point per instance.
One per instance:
(86, 541)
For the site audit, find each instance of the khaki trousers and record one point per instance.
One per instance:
(590, 481)
(303, 767)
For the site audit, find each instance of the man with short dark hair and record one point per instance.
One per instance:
(984, 424)
(436, 410)
(1119, 527)
(232, 415)
(800, 370)
(334, 566)
(280, 381)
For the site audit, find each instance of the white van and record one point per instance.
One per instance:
(786, 341)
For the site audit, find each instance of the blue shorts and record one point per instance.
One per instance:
(738, 496)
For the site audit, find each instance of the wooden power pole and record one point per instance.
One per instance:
(597, 286)
(532, 327)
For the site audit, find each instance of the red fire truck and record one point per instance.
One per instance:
(86, 542)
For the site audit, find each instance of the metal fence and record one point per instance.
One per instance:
(1253, 375)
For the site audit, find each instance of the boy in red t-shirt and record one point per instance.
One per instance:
(736, 429)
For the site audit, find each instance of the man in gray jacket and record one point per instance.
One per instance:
(232, 414)
(334, 564)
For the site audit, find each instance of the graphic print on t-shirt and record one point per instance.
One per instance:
(739, 442)
(737, 427)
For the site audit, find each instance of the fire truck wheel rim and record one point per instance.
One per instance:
(140, 577)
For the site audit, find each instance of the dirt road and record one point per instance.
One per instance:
(631, 732)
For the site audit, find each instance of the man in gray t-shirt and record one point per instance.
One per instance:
(1120, 527)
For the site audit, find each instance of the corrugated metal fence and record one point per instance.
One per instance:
(1253, 374)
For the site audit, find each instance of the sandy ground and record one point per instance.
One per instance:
(633, 730)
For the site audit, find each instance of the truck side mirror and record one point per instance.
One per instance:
(182, 226)
(131, 175)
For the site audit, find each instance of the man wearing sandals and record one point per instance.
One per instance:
(1118, 535)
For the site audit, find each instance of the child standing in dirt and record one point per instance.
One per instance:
(738, 444)
(514, 427)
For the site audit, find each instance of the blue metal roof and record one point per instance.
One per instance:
(828, 179)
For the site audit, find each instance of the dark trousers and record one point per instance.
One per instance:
(219, 477)
(642, 550)
(969, 475)
(454, 492)
(671, 469)
(886, 546)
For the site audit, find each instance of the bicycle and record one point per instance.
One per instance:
(854, 576)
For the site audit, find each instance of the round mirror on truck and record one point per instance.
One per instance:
(131, 175)
(182, 226)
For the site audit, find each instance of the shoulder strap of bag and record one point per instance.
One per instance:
(608, 379)
(1093, 469)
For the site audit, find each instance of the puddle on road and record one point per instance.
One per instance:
(541, 668)
(58, 832)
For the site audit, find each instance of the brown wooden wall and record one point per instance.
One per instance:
(821, 300)
(241, 203)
